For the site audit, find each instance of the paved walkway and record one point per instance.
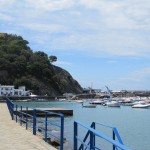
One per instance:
(15, 137)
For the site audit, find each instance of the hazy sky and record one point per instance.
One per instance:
(100, 42)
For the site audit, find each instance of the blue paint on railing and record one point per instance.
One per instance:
(32, 120)
(93, 134)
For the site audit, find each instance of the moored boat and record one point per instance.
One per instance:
(89, 105)
(113, 104)
(79, 101)
(141, 106)
(97, 102)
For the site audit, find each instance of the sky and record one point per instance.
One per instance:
(99, 42)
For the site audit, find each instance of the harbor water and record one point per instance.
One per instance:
(133, 124)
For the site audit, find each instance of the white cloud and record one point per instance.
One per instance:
(98, 27)
(6, 3)
(5, 17)
(138, 76)
(43, 27)
(49, 5)
(136, 80)
(114, 43)
(123, 14)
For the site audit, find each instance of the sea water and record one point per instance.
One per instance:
(133, 124)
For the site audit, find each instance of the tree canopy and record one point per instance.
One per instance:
(19, 65)
(52, 58)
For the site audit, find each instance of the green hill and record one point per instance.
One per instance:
(19, 65)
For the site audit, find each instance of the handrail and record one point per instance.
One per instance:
(86, 136)
(24, 118)
(114, 130)
(10, 106)
(93, 134)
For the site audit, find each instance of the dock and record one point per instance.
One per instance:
(13, 136)
(39, 113)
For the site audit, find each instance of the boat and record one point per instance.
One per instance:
(126, 101)
(62, 99)
(112, 104)
(97, 102)
(89, 105)
(79, 101)
(141, 106)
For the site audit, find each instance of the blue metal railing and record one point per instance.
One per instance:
(10, 106)
(92, 134)
(33, 121)
(115, 133)
(44, 127)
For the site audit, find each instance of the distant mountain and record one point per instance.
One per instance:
(19, 65)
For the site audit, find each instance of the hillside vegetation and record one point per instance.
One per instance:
(19, 65)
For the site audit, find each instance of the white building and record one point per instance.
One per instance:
(9, 90)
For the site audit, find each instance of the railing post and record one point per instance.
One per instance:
(16, 112)
(75, 136)
(94, 134)
(62, 133)
(113, 134)
(26, 118)
(91, 140)
(34, 121)
(45, 126)
(117, 135)
(21, 115)
(12, 112)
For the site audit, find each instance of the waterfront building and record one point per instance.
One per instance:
(9, 90)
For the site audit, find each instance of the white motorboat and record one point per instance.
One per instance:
(89, 105)
(79, 101)
(110, 102)
(141, 106)
(113, 104)
(97, 102)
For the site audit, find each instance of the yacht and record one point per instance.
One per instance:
(140, 105)
(97, 102)
(113, 104)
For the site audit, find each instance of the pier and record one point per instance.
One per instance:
(13, 136)
(39, 113)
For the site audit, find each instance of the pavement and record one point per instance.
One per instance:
(16, 137)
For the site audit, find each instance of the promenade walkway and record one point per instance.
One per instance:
(15, 137)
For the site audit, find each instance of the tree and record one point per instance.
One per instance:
(52, 58)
